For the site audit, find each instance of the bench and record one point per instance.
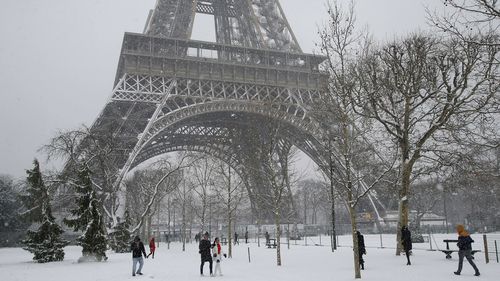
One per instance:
(448, 251)
(223, 241)
(271, 243)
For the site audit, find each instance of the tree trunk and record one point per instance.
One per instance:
(277, 221)
(355, 248)
(258, 232)
(183, 234)
(149, 229)
(158, 235)
(332, 197)
(229, 215)
(168, 224)
(403, 206)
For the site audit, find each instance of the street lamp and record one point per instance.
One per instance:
(440, 187)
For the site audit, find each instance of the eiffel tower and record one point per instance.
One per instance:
(172, 93)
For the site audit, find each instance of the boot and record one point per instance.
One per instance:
(456, 273)
(477, 273)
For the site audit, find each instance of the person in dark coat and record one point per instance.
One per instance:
(268, 237)
(465, 250)
(205, 252)
(137, 248)
(236, 239)
(246, 236)
(361, 249)
(406, 242)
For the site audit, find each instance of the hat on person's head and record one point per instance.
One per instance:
(206, 234)
(137, 239)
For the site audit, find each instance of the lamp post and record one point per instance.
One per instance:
(440, 187)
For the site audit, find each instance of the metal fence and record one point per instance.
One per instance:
(491, 247)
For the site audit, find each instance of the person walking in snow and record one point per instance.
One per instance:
(465, 250)
(361, 249)
(268, 237)
(246, 236)
(152, 247)
(138, 251)
(217, 254)
(236, 239)
(406, 242)
(205, 253)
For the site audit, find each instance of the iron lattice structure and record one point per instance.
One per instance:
(176, 94)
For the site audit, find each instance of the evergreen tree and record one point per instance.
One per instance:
(45, 243)
(88, 218)
(120, 237)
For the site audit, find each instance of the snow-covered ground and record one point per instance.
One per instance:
(299, 263)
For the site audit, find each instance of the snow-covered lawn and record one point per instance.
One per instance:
(299, 263)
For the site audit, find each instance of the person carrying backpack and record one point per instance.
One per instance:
(138, 251)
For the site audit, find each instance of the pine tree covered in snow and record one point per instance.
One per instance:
(88, 218)
(120, 237)
(45, 243)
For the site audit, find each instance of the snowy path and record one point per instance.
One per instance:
(299, 263)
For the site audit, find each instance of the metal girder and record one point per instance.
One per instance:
(146, 54)
(172, 93)
(250, 23)
(172, 18)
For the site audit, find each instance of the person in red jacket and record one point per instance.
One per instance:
(152, 247)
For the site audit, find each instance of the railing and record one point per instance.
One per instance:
(491, 247)
(142, 44)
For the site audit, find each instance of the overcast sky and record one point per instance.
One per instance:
(58, 58)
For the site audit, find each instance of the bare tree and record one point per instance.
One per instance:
(473, 21)
(146, 188)
(414, 87)
(275, 158)
(97, 151)
(230, 193)
(354, 177)
(203, 177)
(425, 196)
(184, 195)
(312, 196)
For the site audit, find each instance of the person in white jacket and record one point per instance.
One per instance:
(217, 254)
